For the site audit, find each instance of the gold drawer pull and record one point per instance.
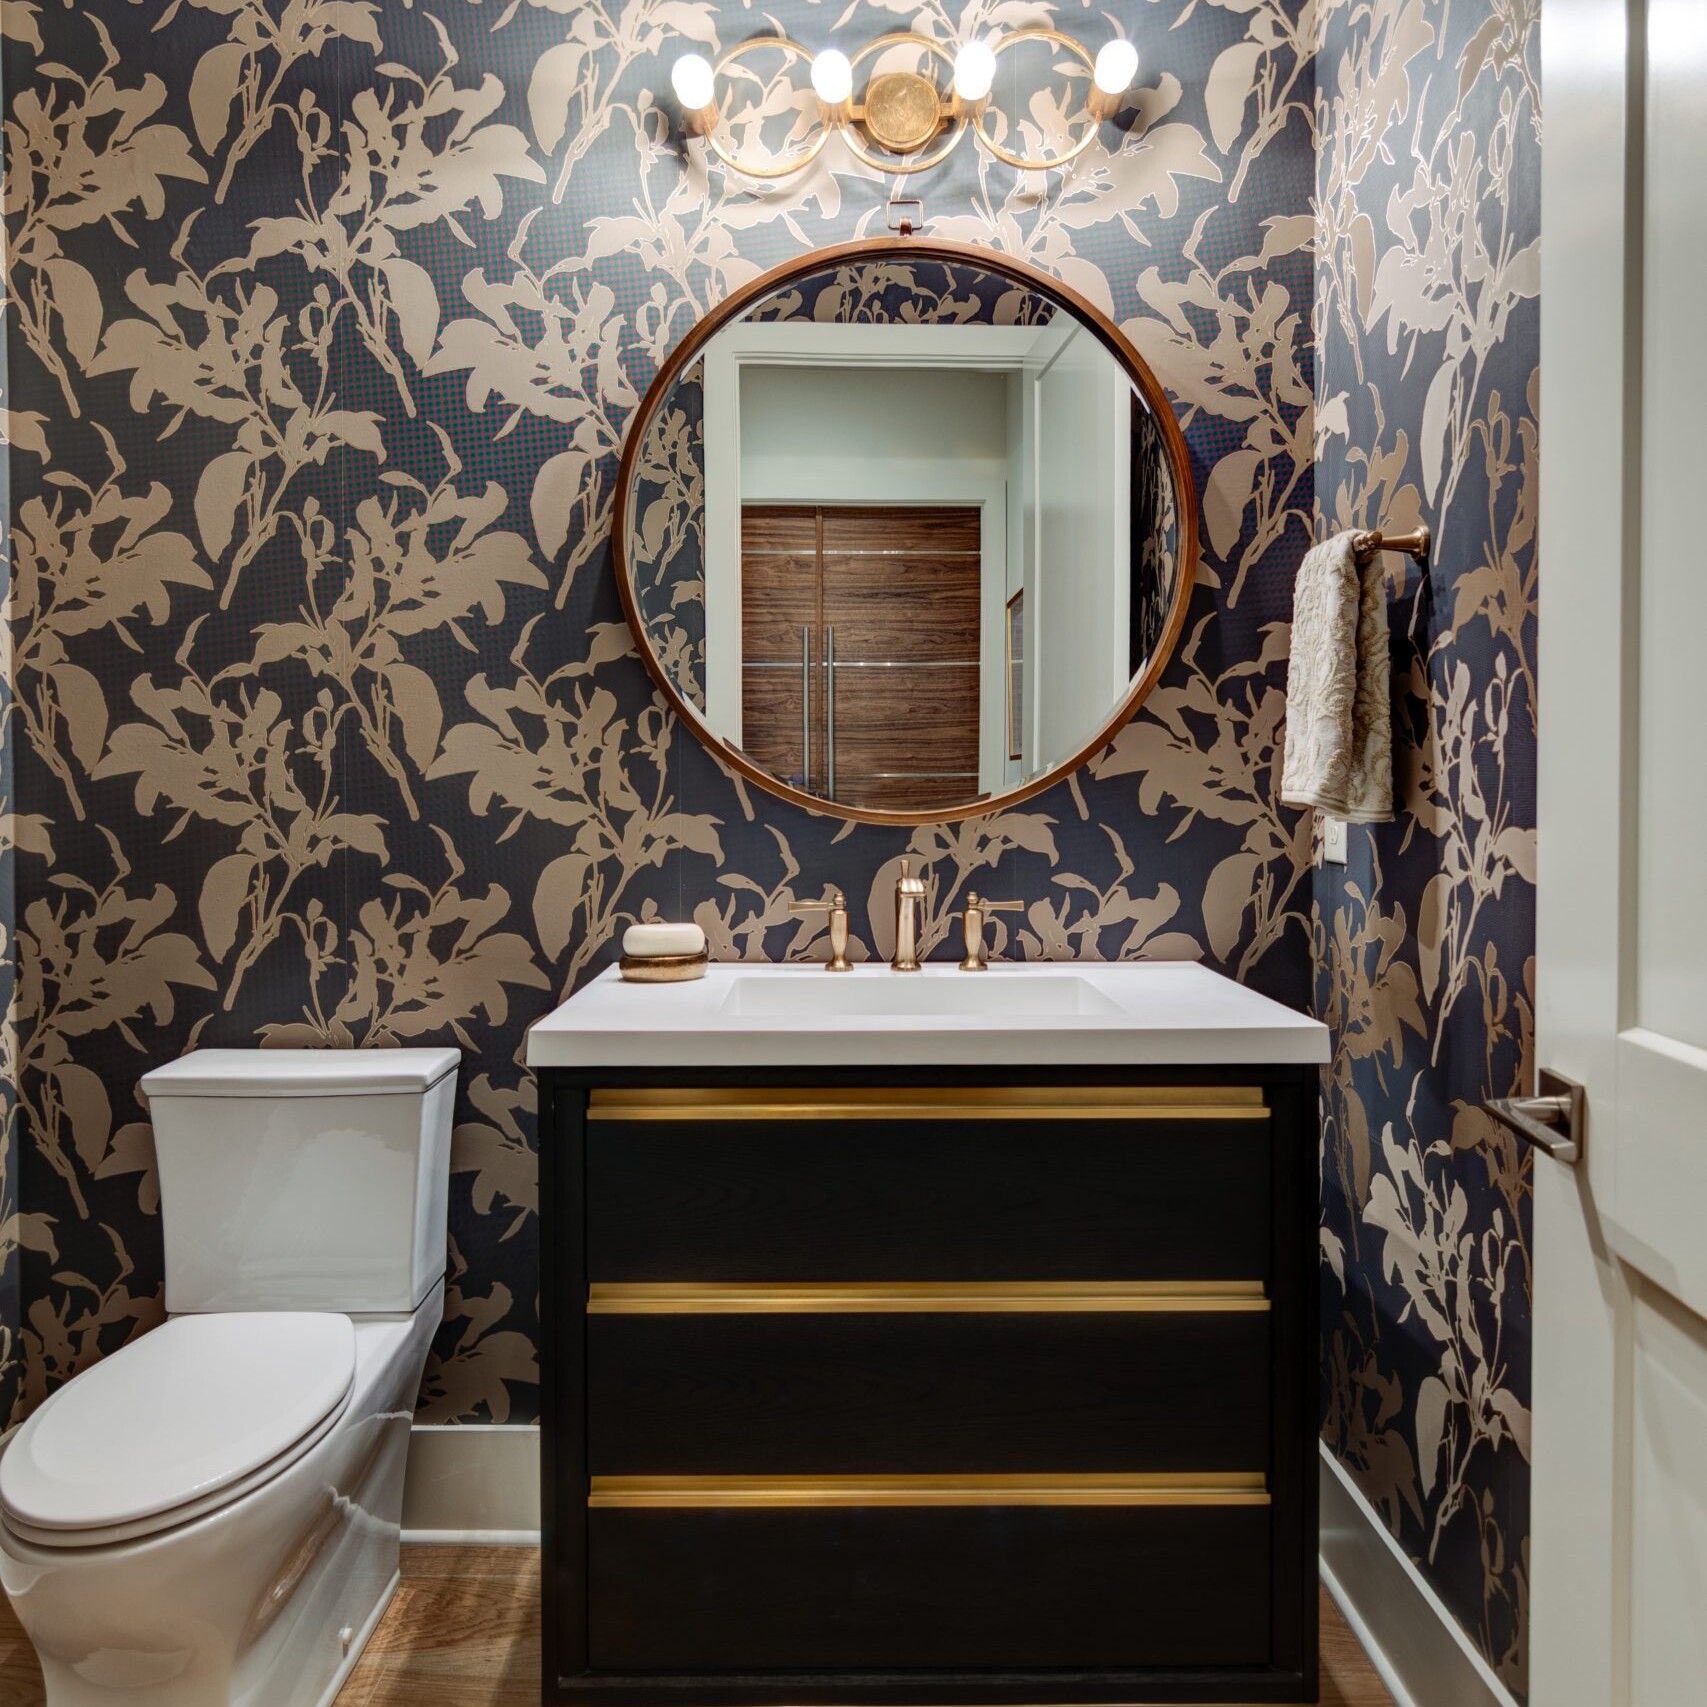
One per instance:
(973, 1102)
(657, 1493)
(696, 1298)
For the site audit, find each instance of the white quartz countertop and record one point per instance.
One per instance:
(1032, 1014)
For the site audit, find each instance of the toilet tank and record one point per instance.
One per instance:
(303, 1179)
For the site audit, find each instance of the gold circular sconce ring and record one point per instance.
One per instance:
(727, 155)
(899, 108)
(1007, 155)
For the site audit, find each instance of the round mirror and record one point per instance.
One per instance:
(905, 530)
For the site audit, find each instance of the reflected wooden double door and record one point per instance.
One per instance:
(860, 627)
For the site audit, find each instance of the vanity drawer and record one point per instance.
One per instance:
(1155, 1183)
(963, 1588)
(1177, 1388)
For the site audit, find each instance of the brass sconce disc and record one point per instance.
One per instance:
(908, 144)
(902, 111)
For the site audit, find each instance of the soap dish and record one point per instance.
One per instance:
(664, 968)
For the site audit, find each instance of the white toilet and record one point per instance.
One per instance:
(210, 1517)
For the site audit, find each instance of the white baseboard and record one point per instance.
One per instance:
(1414, 1642)
(473, 1483)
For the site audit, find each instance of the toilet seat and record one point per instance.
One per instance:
(180, 1423)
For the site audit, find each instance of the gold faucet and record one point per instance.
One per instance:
(977, 909)
(836, 905)
(909, 903)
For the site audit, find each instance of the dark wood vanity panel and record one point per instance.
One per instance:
(1002, 1588)
(911, 1200)
(970, 1392)
(1193, 1581)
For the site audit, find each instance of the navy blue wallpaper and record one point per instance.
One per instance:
(1427, 378)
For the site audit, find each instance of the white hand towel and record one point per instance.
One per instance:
(1339, 720)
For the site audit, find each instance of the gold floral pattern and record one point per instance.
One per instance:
(326, 320)
(1428, 180)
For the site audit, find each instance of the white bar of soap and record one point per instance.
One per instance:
(649, 942)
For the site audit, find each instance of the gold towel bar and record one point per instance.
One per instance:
(715, 1298)
(651, 1493)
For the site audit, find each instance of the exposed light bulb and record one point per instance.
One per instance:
(832, 76)
(1116, 66)
(693, 83)
(974, 70)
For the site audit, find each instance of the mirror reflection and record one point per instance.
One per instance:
(904, 534)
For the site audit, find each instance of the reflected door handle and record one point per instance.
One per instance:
(830, 713)
(1556, 1121)
(806, 708)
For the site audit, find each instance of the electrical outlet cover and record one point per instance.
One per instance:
(1333, 840)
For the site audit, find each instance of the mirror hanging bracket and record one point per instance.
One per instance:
(905, 224)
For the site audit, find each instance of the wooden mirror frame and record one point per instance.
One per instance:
(1022, 273)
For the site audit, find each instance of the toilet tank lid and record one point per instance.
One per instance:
(300, 1072)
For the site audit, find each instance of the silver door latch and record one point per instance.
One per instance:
(1555, 1121)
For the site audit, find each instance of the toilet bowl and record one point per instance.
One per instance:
(210, 1516)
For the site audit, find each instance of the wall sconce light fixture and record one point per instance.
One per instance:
(901, 120)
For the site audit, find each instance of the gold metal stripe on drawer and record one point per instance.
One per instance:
(717, 1298)
(972, 1102)
(656, 1493)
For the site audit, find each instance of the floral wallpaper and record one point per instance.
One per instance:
(666, 535)
(11, 1289)
(324, 321)
(1428, 179)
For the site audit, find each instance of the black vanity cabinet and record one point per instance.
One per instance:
(916, 1387)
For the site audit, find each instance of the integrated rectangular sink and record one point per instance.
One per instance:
(972, 996)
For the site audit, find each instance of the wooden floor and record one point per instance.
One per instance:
(464, 1632)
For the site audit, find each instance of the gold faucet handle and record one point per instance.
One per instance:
(830, 902)
(983, 904)
(835, 904)
(972, 917)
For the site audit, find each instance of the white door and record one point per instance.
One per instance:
(1619, 1550)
